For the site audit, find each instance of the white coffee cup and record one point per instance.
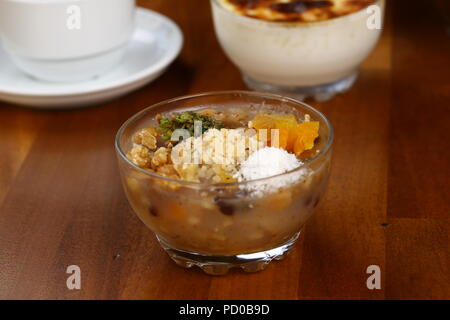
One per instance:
(66, 40)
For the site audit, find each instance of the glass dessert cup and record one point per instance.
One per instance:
(298, 59)
(217, 226)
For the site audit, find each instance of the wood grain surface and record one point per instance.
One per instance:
(61, 202)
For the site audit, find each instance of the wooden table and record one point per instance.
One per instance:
(61, 202)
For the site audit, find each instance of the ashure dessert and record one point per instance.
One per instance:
(227, 183)
(228, 154)
(308, 48)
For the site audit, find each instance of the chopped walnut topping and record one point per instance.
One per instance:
(145, 142)
(140, 155)
(160, 157)
(146, 137)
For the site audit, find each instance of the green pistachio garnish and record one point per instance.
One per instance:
(185, 120)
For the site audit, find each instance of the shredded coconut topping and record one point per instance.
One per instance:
(268, 162)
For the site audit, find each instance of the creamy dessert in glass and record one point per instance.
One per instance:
(299, 48)
(233, 192)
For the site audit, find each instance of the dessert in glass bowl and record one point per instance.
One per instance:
(299, 48)
(225, 179)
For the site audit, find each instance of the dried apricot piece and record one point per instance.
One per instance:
(285, 121)
(264, 135)
(263, 121)
(306, 133)
(309, 131)
(282, 136)
(292, 138)
(299, 146)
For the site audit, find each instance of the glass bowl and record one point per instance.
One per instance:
(224, 225)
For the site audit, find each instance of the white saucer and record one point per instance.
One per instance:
(156, 42)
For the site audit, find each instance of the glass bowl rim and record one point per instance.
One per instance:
(138, 115)
(294, 23)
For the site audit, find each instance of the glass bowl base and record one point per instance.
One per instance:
(319, 93)
(220, 265)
